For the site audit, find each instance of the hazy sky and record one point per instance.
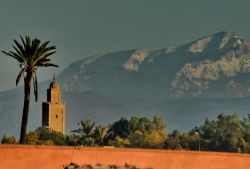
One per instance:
(81, 28)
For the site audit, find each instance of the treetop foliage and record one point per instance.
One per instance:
(228, 133)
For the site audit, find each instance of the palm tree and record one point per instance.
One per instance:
(101, 133)
(85, 127)
(86, 131)
(30, 54)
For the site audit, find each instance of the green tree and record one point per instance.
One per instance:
(245, 142)
(226, 133)
(174, 141)
(147, 134)
(101, 133)
(45, 136)
(158, 124)
(30, 54)
(120, 128)
(86, 131)
(8, 140)
(119, 142)
(229, 132)
(246, 128)
(33, 138)
(189, 141)
(72, 139)
(140, 124)
(154, 139)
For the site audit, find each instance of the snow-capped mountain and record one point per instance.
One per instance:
(182, 84)
(194, 69)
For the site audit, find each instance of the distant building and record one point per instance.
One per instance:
(53, 111)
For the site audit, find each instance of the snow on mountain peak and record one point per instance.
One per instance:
(224, 56)
(201, 74)
(221, 40)
(226, 38)
(199, 45)
(136, 60)
(170, 50)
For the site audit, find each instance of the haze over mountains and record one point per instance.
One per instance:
(184, 85)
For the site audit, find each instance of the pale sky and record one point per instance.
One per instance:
(82, 28)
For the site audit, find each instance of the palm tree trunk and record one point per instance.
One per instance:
(27, 86)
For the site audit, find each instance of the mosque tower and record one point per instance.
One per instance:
(53, 111)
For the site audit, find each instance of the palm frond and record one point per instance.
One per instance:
(20, 47)
(43, 52)
(77, 131)
(20, 74)
(28, 41)
(13, 55)
(46, 64)
(44, 45)
(48, 54)
(17, 50)
(43, 57)
(51, 48)
(24, 48)
(24, 44)
(34, 48)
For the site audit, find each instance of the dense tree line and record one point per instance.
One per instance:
(136, 132)
(228, 133)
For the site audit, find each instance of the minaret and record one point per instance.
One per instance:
(53, 111)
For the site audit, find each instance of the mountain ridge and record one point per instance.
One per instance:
(200, 79)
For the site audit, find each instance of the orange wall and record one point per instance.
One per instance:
(52, 157)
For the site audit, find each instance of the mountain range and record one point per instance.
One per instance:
(183, 85)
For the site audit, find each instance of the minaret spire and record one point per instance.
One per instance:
(54, 77)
